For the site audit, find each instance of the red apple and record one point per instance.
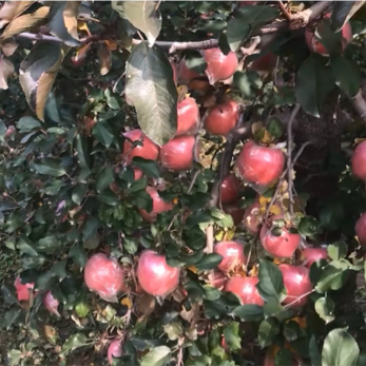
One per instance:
(360, 229)
(155, 276)
(245, 288)
(235, 212)
(359, 161)
(230, 189)
(185, 75)
(283, 245)
(222, 118)
(218, 279)
(178, 154)
(188, 116)
(252, 219)
(219, 66)
(148, 150)
(105, 276)
(10, 131)
(312, 255)
(297, 283)
(159, 205)
(51, 303)
(316, 46)
(232, 255)
(22, 289)
(259, 165)
(114, 350)
(264, 63)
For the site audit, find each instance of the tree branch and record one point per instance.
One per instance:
(303, 18)
(285, 12)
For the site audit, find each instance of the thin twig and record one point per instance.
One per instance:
(301, 150)
(285, 12)
(295, 111)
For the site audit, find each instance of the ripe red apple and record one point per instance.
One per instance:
(252, 219)
(148, 150)
(297, 283)
(312, 255)
(105, 276)
(283, 245)
(178, 154)
(360, 229)
(218, 279)
(155, 276)
(259, 165)
(159, 205)
(114, 350)
(22, 289)
(222, 118)
(230, 189)
(358, 161)
(188, 116)
(245, 288)
(51, 303)
(232, 255)
(185, 75)
(235, 212)
(264, 63)
(316, 46)
(219, 66)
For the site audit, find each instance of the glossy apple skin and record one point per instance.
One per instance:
(148, 150)
(235, 212)
(51, 303)
(185, 75)
(105, 276)
(178, 154)
(219, 66)
(159, 205)
(230, 189)
(222, 118)
(218, 279)
(252, 219)
(282, 246)
(297, 283)
(188, 116)
(232, 255)
(358, 161)
(316, 46)
(155, 276)
(259, 165)
(360, 229)
(114, 350)
(264, 63)
(245, 288)
(22, 289)
(312, 255)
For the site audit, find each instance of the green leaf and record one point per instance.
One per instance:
(103, 134)
(83, 153)
(151, 89)
(194, 61)
(38, 72)
(331, 278)
(48, 244)
(208, 262)
(267, 331)
(73, 342)
(340, 349)
(314, 353)
(25, 247)
(78, 255)
(257, 15)
(237, 32)
(324, 307)
(248, 82)
(283, 357)
(221, 218)
(14, 357)
(346, 75)
(82, 309)
(292, 331)
(314, 81)
(149, 167)
(50, 166)
(340, 12)
(275, 127)
(232, 337)
(143, 15)
(248, 312)
(78, 194)
(27, 124)
(337, 250)
(309, 226)
(159, 356)
(104, 179)
(270, 280)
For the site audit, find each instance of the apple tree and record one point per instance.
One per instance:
(182, 183)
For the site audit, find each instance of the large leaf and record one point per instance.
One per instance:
(340, 349)
(159, 356)
(314, 80)
(34, 16)
(151, 89)
(38, 72)
(270, 280)
(50, 166)
(346, 75)
(343, 11)
(143, 15)
(63, 22)
(267, 331)
(237, 32)
(314, 352)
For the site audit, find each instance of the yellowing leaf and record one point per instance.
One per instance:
(145, 304)
(111, 45)
(192, 269)
(126, 301)
(82, 52)
(83, 26)
(12, 9)
(256, 126)
(70, 15)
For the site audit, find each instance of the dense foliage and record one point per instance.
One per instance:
(182, 183)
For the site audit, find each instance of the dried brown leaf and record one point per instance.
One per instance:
(51, 334)
(190, 315)
(82, 52)
(70, 15)
(6, 69)
(12, 9)
(105, 60)
(145, 304)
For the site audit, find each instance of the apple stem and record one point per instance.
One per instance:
(299, 298)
